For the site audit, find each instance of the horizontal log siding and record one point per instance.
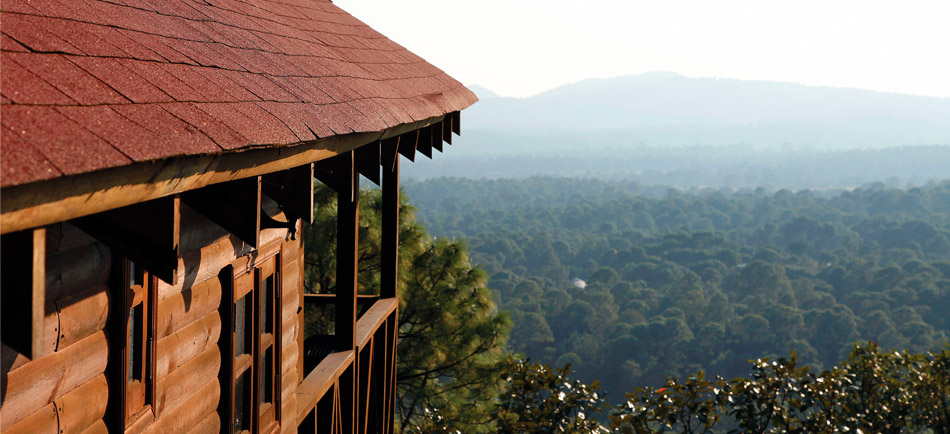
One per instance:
(187, 328)
(291, 287)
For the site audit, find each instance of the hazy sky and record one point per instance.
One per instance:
(522, 47)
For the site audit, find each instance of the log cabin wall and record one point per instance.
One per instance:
(67, 389)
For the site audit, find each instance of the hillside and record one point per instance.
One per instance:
(677, 282)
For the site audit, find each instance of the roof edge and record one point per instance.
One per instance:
(41, 203)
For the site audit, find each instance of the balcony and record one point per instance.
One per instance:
(348, 391)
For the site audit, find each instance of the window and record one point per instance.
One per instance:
(136, 294)
(254, 343)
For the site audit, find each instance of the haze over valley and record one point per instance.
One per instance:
(665, 128)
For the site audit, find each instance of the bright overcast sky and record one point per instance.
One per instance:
(523, 47)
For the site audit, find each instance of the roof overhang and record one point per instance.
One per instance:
(55, 200)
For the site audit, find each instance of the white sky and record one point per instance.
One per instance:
(523, 47)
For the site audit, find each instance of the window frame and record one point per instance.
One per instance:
(137, 394)
(247, 282)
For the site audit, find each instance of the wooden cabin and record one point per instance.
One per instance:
(157, 163)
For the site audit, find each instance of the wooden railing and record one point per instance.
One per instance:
(354, 391)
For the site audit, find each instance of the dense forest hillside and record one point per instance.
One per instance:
(631, 283)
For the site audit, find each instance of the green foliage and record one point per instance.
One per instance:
(542, 400)
(677, 282)
(871, 392)
(451, 337)
(450, 354)
(694, 406)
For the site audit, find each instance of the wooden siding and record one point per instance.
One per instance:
(66, 390)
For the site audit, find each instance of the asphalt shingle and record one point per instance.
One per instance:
(96, 84)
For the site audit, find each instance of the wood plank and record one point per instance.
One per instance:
(174, 350)
(67, 197)
(147, 233)
(288, 414)
(178, 386)
(447, 130)
(189, 413)
(456, 122)
(182, 309)
(44, 420)
(210, 425)
(373, 318)
(83, 407)
(81, 315)
(97, 428)
(424, 144)
(235, 206)
(288, 370)
(318, 381)
(291, 283)
(436, 136)
(23, 280)
(36, 384)
(408, 143)
(367, 161)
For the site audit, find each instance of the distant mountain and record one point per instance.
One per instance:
(482, 92)
(667, 109)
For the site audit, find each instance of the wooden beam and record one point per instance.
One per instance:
(147, 233)
(424, 145)
(235, 206)
(389, 245)
(292, 189)
(320, 380)
(333, 172)
(373, 319)
(408, 143)
(367, 161)
(64, 198)
(436, 136)
(447, 130)
(457, 123)
(23, 292)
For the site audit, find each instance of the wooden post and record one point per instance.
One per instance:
(347, 228)
(348, 215)
(389, 249)
(339, 173)
(23, 291)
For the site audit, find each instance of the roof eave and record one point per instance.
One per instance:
(60, 199)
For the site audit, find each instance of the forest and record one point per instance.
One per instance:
(574, 305)
(629, 284)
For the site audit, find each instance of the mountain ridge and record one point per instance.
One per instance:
(664, 99)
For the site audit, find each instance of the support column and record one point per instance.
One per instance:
(347, 230)
(339, 173)
(389, 249)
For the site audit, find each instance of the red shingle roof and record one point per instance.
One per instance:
(94, 84)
